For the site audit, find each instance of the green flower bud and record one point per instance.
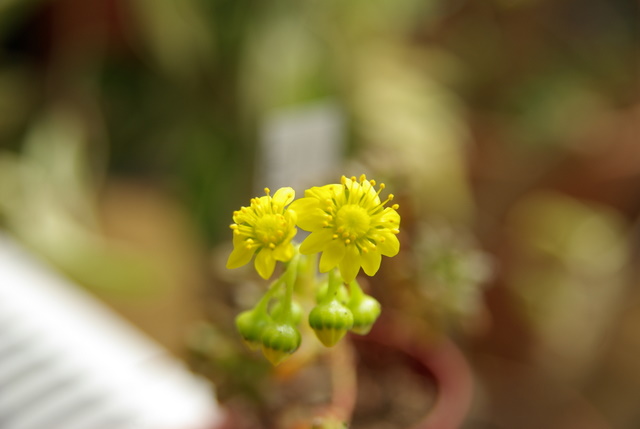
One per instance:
(296, 312)
(342, 295)
(250, 325)
(279, 341)
(366, 310)
(330, 321)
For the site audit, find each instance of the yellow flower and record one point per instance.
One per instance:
(266, 229)
(349, 225)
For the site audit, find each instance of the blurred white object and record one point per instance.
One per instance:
(68, 362)
(300, 145)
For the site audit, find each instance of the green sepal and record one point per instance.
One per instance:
(251, 324)
(330, 321)
(279, 341)
(365, 310)
(278, 312)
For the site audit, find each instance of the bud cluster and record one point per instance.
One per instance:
(275, 332)
(338, 310)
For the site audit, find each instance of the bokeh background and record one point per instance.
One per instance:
(509, 131)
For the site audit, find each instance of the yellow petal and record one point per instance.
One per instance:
(316, 242)
(291, 217)
(283, 252)
(390, 246)
(264, 201)
(265, 263)
(240, 256)
(284, 196)
(303, 206)
(323, 192)
(332, 255)
(312, 220)
(391, 216)
(330, 337)
(292, 233)
(240, 240)
(371, 262)
(350, 264)
(370, 192)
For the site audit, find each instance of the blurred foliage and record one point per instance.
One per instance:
(568, 255)
(451, 276)
(47, 201)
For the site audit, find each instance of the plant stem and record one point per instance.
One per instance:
(261, 306)
(334, 283)
(289, 279)
(355, 291)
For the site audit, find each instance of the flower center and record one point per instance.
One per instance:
(269, 229)
(352, 222)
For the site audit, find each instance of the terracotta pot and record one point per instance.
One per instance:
(441, 358)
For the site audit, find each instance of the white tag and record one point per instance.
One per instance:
(300, 146)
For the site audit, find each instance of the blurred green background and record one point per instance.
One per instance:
(509, 131)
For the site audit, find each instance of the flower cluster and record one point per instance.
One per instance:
(351, 227)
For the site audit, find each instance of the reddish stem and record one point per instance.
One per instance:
(344, 381)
